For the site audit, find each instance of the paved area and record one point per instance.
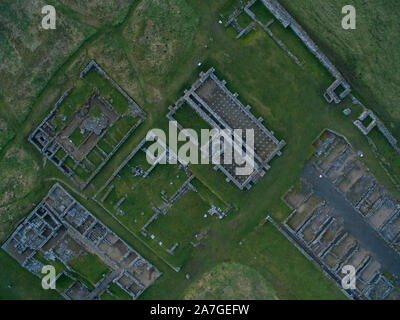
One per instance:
(353, 221)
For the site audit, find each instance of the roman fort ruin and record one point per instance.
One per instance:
(342, 215)
(339, 89)
(60, 231)
(222, 110)
(124, 190)
(82, 132)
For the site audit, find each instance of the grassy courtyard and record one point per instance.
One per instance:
(90, 266)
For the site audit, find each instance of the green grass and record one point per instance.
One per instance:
(107, 296)
(364, 55)
(138, 160)
(60, 154)
(119, 293)
(90, 266)
(162, 34)
(97, 12)
(95, 112)
(57, 264)
(79, 95)
(290, 100)
(189, 119)
(6, 133)
(209, 196)
(105, 145)
(119, 102)
(69, 162)
(297, 47)
(231, 281)
(120, 128)
(147, 193)
(71, 104)
(82, 279)
(64, 282)
(182, 221)
(95, 157)
(244, 20)
(23, 284)
(262, 12)
(293, 277)
(77, 137)
(29, 61)
(21, 181)
(389, 156)
(287, 97)
(83, 174)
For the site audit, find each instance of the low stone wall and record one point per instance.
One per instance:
(287, 20)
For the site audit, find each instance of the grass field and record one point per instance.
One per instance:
(153, 51)
(19, 283)
(229, 281)
(20, 179)
(189, 119)
(367, 55)
(77, 137)
(179, 225)
(387, 154)
(30, 58)
(90, 266)
(182, 221)
(118, 292)
(6, 133)
(64, 282)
